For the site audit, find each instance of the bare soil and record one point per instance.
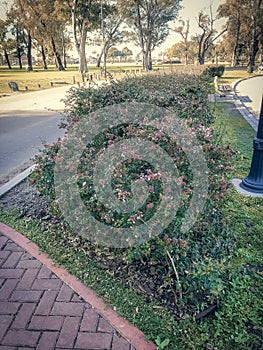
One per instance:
(25, 198)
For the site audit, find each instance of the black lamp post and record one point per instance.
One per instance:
(254, 181)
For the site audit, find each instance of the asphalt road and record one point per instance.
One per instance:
(26, 122)
(251, 92)
(21, 137)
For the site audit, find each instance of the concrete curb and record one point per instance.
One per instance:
(127, 330)
(16, 180)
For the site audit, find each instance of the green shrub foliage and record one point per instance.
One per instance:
(215, 71)
(186, 97)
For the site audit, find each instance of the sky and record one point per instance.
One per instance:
(190, 9)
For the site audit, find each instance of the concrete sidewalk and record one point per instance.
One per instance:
(42, 100)
(48, 100)
(44, 307)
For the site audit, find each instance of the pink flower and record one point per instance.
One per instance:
(184, 243)
(149, 206)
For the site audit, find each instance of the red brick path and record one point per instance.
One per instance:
(39, 311)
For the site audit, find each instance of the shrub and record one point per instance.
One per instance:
(189, 257)
(215, 71)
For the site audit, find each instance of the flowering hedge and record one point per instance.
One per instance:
(192, 265)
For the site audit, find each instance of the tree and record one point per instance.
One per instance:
(126, 52)
(49, 32)
(17, 33)
(42, 22)
(52, 23)
(5, 45)
(244, 34)
(20, 16)
(237, 36)
(178, 51)
(208, 34)
(233, 9)
(113, 35)
(183, 30)
(114, 52)
(149, 20)
(85, 15)
(256, 11)
(44, 57)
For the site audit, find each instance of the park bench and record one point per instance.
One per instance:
(224, 88)
(13, 86)
(52, 83)
(221, 89)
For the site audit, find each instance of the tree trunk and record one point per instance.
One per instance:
(201, 55)
(106, 48)
(83, 68)
(18, 49)
(235, 57)
(64, 50)
(79, 45)
(185, 54)
(29, 53)
(150, 62)
(44, 57)
(201, 60)
(19, 57)
(7, 59)
(57, 55)
(254, 47)
(99, 59)
(145, 59)
(147, 54)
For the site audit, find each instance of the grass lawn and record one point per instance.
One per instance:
(40, 79)
(233, 74)
(235, 130)
(36, 80)
(241, 299)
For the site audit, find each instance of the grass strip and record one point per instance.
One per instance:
(234, 130)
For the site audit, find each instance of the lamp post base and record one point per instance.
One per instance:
(251, 187)
(245, 190)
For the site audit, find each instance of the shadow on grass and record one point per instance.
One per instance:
(234, 130)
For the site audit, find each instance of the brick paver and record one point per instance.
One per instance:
(39, 311)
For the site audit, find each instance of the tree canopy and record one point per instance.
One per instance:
(148, 20)
(51, 26)
(244, 37)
